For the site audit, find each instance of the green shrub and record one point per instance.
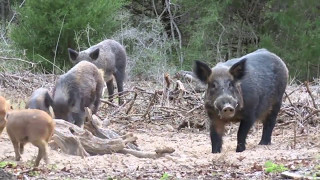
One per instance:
(148, 47)
(41, 24)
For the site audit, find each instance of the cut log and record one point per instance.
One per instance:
(94, 140)
(76, 141)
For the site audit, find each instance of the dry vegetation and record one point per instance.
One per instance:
(171, 114)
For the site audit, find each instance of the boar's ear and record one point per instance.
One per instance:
(202, 71)
(48, 100)
(238, 69)
(94, 54)
(72, 54)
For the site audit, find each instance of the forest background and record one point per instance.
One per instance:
(162, 35)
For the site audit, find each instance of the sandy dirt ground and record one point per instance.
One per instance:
(192, 158)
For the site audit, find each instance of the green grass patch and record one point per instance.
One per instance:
(271, 167)
(4, 164)
(165, 176)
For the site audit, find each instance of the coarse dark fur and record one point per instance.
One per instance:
(108, 55)
(30, 125)
(40, 99)
(243, 90)
(80, 87)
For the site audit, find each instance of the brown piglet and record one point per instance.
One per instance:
(4, 107)
(30, 125)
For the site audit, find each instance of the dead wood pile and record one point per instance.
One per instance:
(177, 101)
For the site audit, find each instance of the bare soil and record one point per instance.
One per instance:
(295, 146)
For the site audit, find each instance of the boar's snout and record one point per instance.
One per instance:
(226, 106)
(227, 111)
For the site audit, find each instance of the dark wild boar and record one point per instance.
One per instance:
(30, 125)
(243, 90)
(4, 108)
(80, 87)
(108, 55)
(40, 99)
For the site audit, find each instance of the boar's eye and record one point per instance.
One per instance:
(212, 85)
(229, 84)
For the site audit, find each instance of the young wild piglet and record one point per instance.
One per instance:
(4, 107)
(40, 99)
(30, 125)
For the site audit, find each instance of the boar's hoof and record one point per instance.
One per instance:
(240, 148)
(216, 150)
(264, 142)
(18, 158)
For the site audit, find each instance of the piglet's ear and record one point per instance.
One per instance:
(238, 69)
(94, 54)
(72, 54)
(202, 71)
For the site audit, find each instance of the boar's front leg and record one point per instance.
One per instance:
(245, 125)
(216, 140)
(216, 133)
(97, 97)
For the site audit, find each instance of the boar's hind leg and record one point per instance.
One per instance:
(42, 153)
(244, 128)
(119, 75)
(269, 123)
(110, 89)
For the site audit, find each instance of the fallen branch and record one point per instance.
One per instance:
(108, 102)
(150, 105)
(131, 103)
(18, 59)
(312, 98)
(142, 154)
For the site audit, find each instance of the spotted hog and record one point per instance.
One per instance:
(80, 87)
(30, 125)
(40, 99)
(108, 55)
(4, 108)
(243, 90)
